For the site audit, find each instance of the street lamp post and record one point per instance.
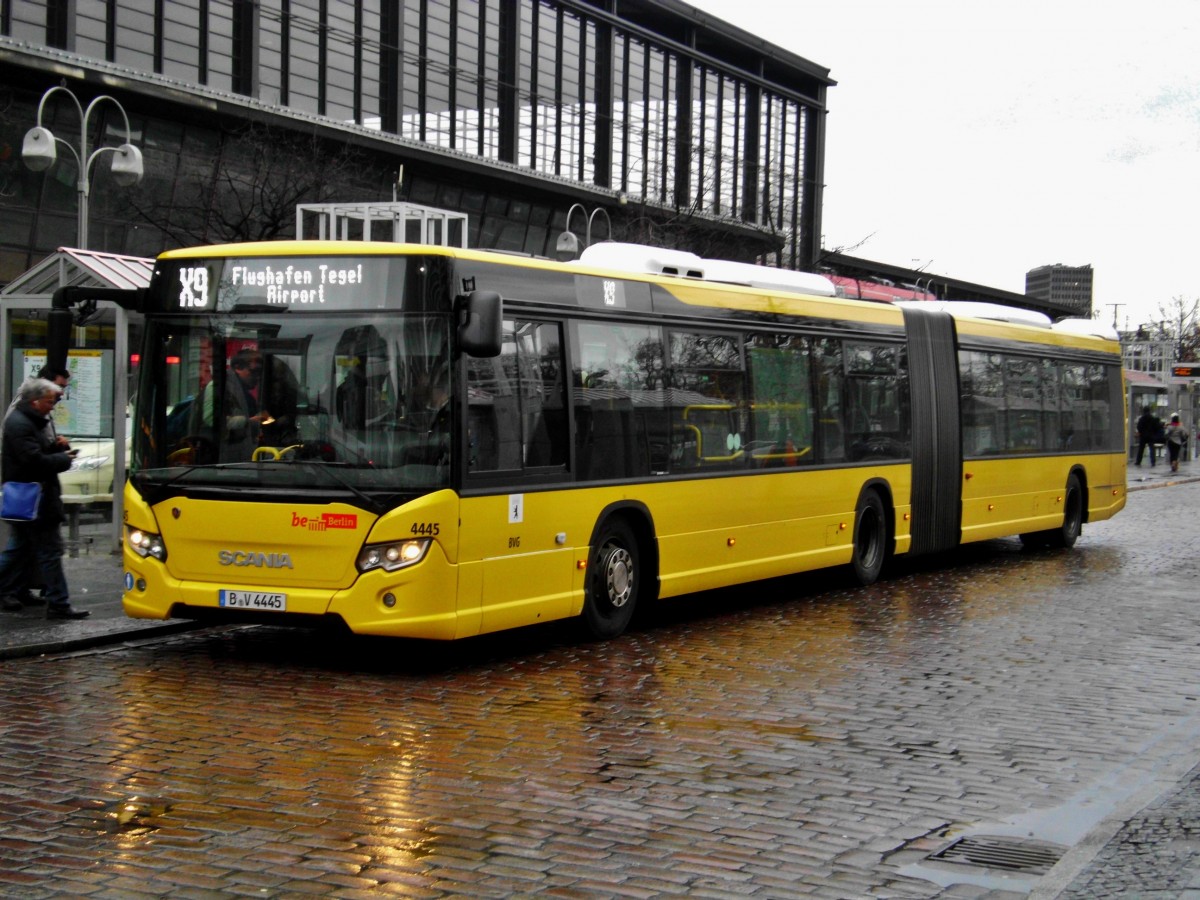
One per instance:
(568, 242)
(40, 153)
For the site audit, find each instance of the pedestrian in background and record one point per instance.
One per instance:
(1148, 426)
(29, 453)
(1176, 438)
(61, 377)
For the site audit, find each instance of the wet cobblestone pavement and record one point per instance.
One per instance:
(793, 738)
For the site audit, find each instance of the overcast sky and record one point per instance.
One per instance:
(980, 141)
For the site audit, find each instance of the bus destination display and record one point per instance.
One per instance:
(330, 283)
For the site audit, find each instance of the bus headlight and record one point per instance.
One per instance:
(392, 556)
(145, 543)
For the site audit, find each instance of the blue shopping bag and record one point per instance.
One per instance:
(19, 501)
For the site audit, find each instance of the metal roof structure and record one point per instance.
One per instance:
(67, 267)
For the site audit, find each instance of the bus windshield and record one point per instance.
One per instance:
(294, 401)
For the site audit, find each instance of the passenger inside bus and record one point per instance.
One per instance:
(280, 393)
(355, 401)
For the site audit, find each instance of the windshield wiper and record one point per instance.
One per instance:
(327, 469)
(143, 475)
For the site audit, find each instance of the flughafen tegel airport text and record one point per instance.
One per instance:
(285, 286)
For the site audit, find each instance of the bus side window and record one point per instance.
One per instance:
(830, 388)
(493, 420)
(1023, 400)
(482, 452)
(620, 424)
(1103, 427)
(543, 393)
(516, 410)
(708, 399)
(876, 401)
(980, 385)
(780, 401)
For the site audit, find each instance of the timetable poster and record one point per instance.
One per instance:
(82, 411)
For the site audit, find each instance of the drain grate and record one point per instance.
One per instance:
(1009, 853)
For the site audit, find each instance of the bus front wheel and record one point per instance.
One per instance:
(613, 581)
(870, 538)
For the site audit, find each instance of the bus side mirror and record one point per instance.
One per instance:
(479, 330)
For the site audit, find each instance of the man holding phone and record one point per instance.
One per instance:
(32, 452)
(25, 596)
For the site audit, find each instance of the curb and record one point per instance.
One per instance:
(122, 634)
(1140, 486)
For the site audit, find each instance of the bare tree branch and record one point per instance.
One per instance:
(1179, 322)
(250, 189)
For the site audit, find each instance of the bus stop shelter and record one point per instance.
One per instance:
(99, 356)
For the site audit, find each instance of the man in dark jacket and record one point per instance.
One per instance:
(61, 377)
(1148, 427)
(29, 453)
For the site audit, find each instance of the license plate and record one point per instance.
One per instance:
(237, 599)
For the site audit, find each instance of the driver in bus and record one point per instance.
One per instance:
(244, 416)
(438, 407)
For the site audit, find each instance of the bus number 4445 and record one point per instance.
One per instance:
(426, 529)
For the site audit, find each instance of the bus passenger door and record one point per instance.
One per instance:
(518, 438)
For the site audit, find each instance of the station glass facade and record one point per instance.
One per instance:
(650, 101)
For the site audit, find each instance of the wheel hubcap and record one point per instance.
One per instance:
(618, 576)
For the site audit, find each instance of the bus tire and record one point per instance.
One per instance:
(1067, 534)
(870, 538)
(613, 581)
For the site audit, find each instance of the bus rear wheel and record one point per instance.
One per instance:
(870, 538)
(1068, 533)
(613, 581)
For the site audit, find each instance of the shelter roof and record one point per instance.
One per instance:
(67, 267)
(1136, 378)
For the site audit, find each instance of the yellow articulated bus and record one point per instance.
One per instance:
(433, 442)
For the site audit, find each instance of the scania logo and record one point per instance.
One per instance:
(250, 558)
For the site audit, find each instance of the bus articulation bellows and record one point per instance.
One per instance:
(433, 442)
